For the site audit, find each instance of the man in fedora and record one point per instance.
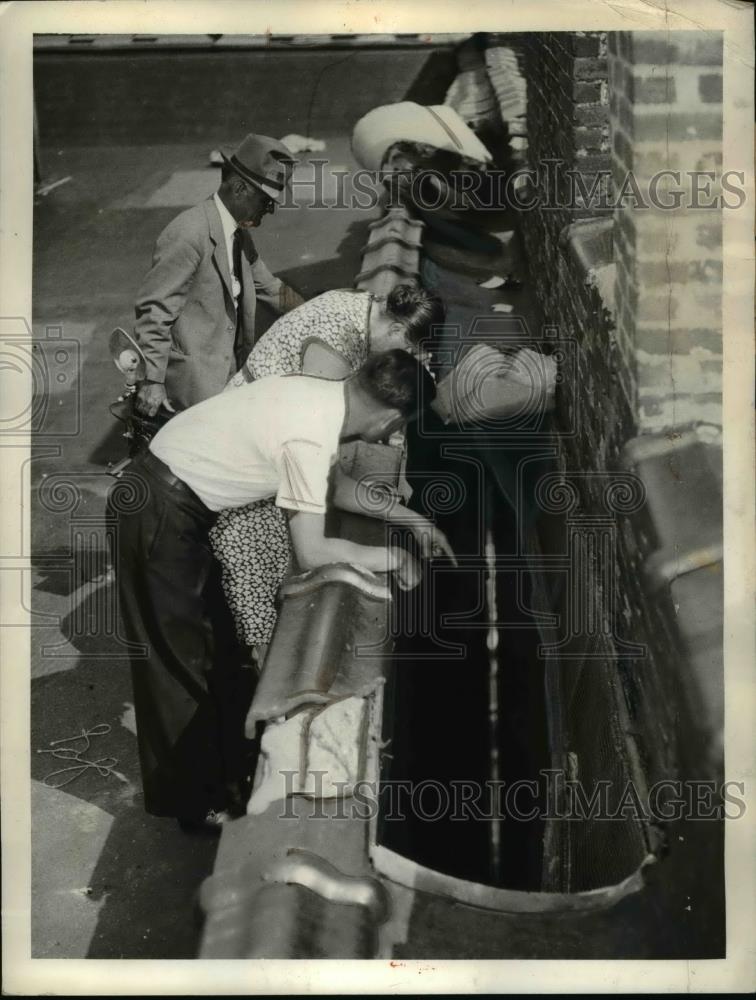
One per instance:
(195, 311)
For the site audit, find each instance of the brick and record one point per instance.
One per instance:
(706, 298)
(590, 114)
(709, 397)
(650, 241)
(710, 160)
(587, 68)
(676, 340)
(700, 48)
(585, 45)
(690, 48)
(712, 367)
(661, 272)
(688, 306)
(646, 162)
(591, 163)
(688, 383)
(657, 379)
(586, 92)
(652, 89)
(674, 127)
(674, 232)
(710, 88)
(590, 137)
(705, 271)
(649, 47)
(709, 235)
(656, 307)
(674, 413)
(663, 404)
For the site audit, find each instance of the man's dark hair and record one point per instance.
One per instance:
(229, 174)
(397, 380)
(417, 309)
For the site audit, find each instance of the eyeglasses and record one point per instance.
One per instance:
(268, 203)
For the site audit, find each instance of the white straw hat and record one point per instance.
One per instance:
(436, 125)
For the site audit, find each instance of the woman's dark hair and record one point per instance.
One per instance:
(397, 380)
(417, 309)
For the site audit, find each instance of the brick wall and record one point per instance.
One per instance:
(638, 292)
(568, 120)
(666, 114)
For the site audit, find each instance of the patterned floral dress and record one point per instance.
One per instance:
(252, 543)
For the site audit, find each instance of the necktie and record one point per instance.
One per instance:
(238, 274)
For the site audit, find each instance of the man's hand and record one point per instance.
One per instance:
(432, 541)
(150, 397)
(313, 549)
(406, 569)
(288, 299)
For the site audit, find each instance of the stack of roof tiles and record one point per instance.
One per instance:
(471, 93)
(510, 88)
(392, 252)
(489, 90)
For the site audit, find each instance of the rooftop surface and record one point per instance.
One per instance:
(100, 863)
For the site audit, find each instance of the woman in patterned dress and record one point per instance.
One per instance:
(331, 336)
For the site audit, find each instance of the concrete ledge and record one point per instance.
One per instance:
(589, 243)
(682, 476)
(683, 500)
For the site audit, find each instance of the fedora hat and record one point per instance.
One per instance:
(264, 162)
(436, 125)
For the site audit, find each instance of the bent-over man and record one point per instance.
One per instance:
(276, 437)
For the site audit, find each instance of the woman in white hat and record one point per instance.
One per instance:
(331, 336)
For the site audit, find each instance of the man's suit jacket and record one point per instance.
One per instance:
(185, 314)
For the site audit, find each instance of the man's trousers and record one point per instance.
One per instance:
(190, 692)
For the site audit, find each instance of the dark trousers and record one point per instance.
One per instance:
(191, 693)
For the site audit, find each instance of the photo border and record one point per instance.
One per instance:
(26, 976)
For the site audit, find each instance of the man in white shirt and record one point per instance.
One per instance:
(276, 437)
(195, 311)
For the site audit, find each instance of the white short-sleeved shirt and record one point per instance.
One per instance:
(274, 438)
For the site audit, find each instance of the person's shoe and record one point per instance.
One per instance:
(209, 825)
